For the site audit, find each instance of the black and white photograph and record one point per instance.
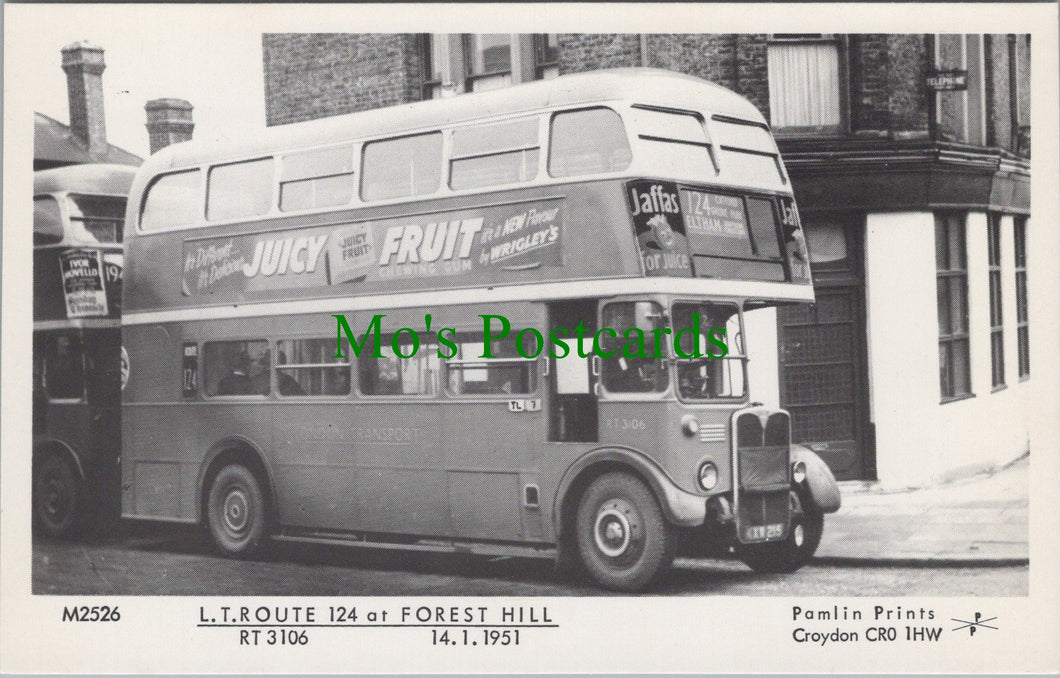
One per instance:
(493, 347)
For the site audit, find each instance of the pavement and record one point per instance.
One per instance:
(980, 520)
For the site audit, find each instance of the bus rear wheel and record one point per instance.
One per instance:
(235, 512)
(623, 537)
(804, 535)
(58, 496)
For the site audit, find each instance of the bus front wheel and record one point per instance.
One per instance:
(804, 535)
(57, 497)
(236, 511)
(623, 537)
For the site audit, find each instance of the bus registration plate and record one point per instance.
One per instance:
(763, 532)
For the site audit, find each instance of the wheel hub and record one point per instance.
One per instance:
(799, 534)
(236, 515)
(612, 531)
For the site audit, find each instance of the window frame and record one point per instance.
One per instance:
(551, 132)
(273, 188)
(470, 75)
(452, 158)
(442, 155)
(361, 362)
(466, 336)
(995, 288)
(354, 150)
(199, 205)
(327, 341)
(1022, 317)
(842, 45)
(205, 371)
(959, 276)
(51, 235)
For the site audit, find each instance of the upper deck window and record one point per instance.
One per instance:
(489, 155)
(173, 200)
(96, 218)
(318, 178)
(242, 189)
(400, 168)
(747, 153)
(589, 141)
(47, 221)
(677, 142)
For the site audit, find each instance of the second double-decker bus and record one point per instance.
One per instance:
(78, 215)
(614, 205)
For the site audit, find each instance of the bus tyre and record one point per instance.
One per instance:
(623, 538)
(235, 512)
(58, 494)
(807, 526)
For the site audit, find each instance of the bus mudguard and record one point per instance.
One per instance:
(823, 488)
(681, 508)
(60, 448)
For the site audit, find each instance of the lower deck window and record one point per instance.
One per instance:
(307, 367)
(394, 375)
(506, 373)
(236, 368)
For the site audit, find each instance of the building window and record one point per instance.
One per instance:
(1022, 337)
(804, 93)
(546, 56)
(951, 267)
(997, 338)
(487, 61)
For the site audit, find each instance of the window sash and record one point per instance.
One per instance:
(804, 84)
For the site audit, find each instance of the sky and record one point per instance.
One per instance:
(212, 64)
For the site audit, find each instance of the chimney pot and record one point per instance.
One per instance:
(84, 66)
(169, 121)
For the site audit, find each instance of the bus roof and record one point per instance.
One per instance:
(641, 85)
(89, 178)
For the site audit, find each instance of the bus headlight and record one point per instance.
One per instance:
(689, 425)
(708, 476)
(798, 471)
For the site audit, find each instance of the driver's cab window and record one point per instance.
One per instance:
(710, 351)
(634, 365)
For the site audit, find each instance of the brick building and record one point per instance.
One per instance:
(913, 364)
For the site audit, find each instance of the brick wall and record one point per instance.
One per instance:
(887, 92)
(734, 61)
(316, 75)
(593, 51)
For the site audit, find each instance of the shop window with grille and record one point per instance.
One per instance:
(804, 76)
(1022, 332)
(951, 268)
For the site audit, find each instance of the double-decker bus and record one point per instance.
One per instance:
(78, 215)
(610, 205)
